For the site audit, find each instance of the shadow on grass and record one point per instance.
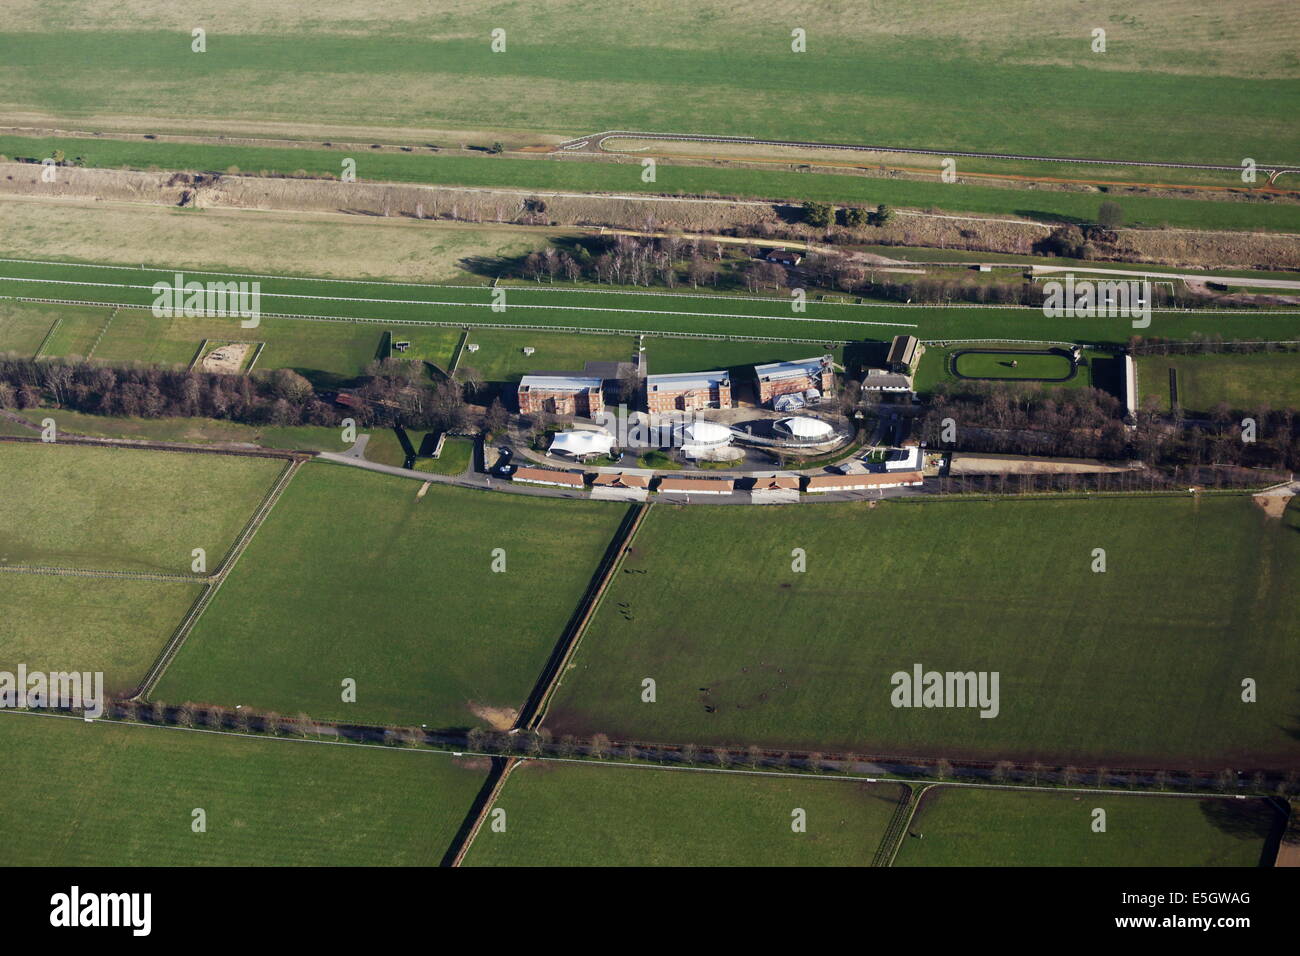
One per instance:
(1257, 819)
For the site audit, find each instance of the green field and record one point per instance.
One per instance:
(1011, 366)
(565, 307)
(1242, 382)
(583, 815)
(115, 627)
(1099, 369)
(901, 76)
(358, 578)
(1141, 665)
(500, 356)
(958, 826)
(106, 794)
(24, 327)
(125, 509)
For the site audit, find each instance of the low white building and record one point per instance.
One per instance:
(582, 443)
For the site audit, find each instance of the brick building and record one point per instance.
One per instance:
(689, 391)
(782, 378)
(561, 395)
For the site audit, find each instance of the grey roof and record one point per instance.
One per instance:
(559, 383)
(794, 368)
(685, 380)
(877, 379)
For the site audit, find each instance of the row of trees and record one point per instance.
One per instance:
(542, 743)
(392, 392)
(1028, 419)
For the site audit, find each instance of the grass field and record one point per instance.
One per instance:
(613, 310)
(24, 327)
(960, 826)
(294, 242)
(500, 356)
(1203, 211)
(1100, 369)
(1242, 382)
(131, 791)
(999, 365)
(1138, 666)
(125, 509)
(901, 76)
(115, 627)
(357, 577)
(582, 815)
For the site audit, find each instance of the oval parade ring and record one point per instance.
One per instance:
(1033, 366)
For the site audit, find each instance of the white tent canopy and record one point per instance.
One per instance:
(703, 433)
(802, 427)
(583, 442)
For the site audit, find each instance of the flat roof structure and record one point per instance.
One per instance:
(797, 368)
(560, 383)
(697, 486)
(684, 381)
(868, 482)
(549, 476)
(621, 480)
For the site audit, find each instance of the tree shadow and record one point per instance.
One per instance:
(1253, 819)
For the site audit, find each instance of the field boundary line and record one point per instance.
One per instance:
(439, 303)
(186, 625)
(580, 329)
(535, 709)
(829, 778)
(58, 320)
(907, 823)
(102, 573)
(100, 337)
(493, 795)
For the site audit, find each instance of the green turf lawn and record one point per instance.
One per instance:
(1141, 665)
(457, 455)
(106, 794)
(385, 448)
(902, 76)
(23, 326)
(998, 365)
(500, 356)
(1100, 369)
(436, 344)
(1244, 382)
(125, 509)
(357, 577)
(616, 310)
(78, 330)
(584, 815)
(116, 627)
(961, 826)
(328, 353)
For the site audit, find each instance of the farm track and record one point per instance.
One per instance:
(897, 827)
(595, 143)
